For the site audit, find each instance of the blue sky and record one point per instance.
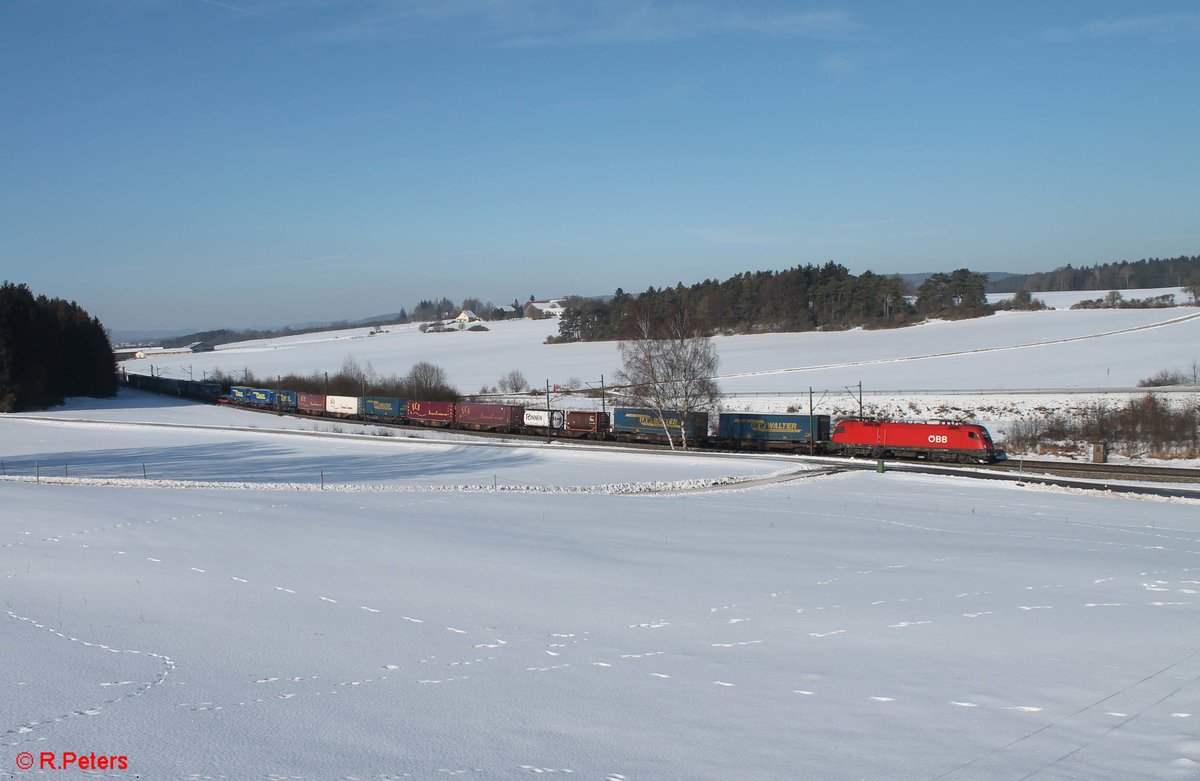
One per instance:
(201, 163)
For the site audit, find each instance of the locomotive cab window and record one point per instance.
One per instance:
(972, 435)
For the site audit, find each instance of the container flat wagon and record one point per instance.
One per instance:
(384, 407)
(648, 426)
(588, 425)
(431, 413)
(542, 419)
(489, 417)
(770, 431)
(343, 406)
(312, 403)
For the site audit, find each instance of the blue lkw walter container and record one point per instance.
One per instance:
(646, 423)
(383, 407)
(771, 427)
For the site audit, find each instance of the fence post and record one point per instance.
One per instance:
(322, 479)
(144, 477)
(37, 471)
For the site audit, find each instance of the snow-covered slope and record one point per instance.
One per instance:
(1014, 350)
(454, 609)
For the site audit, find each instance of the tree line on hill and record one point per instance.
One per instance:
(424, 380)
(803, 298)
(426, 310)
(1182, 271)
(797, 299)
(50, 349)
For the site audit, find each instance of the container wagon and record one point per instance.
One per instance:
(431, 413)
(645, 425)
(343, 406)
(589, 425)
(768, 431)
(383, 407)
(489, 417)
(311, 403)
(540, 419)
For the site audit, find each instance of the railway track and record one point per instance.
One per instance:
(1090, 471)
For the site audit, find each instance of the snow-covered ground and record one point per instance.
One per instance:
(856, 626)
(1065, 299)
(446, 608)
(1055, 349)
(997, 370)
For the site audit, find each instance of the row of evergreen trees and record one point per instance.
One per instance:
(803, 298)
(1123, 275)
(50, 349)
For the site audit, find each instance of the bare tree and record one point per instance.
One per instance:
(513, 382)
(669, 367)
(428, 381)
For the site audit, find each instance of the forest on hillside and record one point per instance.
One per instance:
(804, 298)
(1122, 275)
(50, 349)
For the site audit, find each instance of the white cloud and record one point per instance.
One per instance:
(1158, 27)
(517, 23)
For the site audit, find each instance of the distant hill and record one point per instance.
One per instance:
(139, 338)
(1123, 275)
(914, 280)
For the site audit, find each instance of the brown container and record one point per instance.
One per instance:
(489, 416)
(310, 402)
(587, 422)
(431, 411)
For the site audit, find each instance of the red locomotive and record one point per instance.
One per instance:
(939, 440)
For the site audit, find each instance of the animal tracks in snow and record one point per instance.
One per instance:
(167, 665)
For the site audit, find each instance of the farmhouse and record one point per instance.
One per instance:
(551, 307)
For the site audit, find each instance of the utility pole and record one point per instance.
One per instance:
(860, 404)
(812, 428)
(549, 417)
(602, 400)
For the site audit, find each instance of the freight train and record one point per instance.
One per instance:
(939, 440)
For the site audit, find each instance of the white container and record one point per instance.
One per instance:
(539, 417)
(343, 405)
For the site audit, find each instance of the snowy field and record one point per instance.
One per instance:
(1056, 349)
(180, 590)
(856, 626)
(997, 370)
